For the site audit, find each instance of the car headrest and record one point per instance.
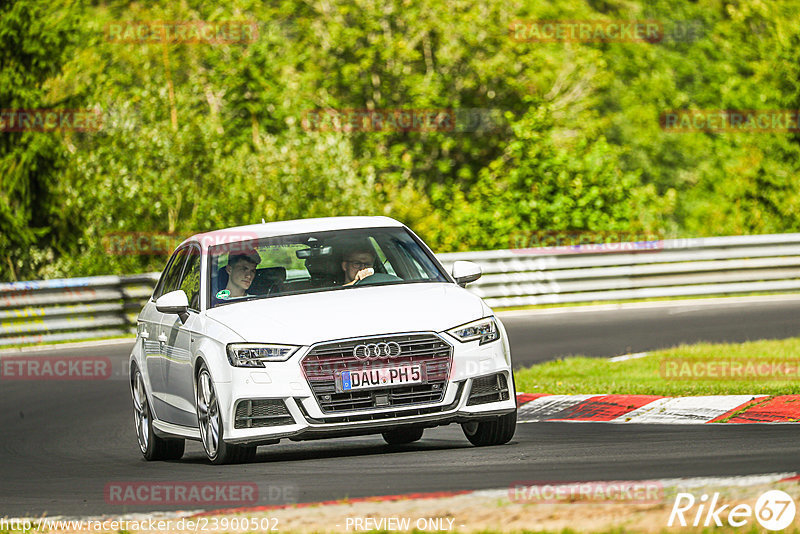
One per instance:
(267, 278)
(325, 268)
(274, 274)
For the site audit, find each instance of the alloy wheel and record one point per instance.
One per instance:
(141, 413)
(208, 413)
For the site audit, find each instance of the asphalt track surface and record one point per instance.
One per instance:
(648, 326)
(63, 442)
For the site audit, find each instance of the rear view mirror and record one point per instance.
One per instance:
(313, 252)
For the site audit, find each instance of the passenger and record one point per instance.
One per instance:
(358, 264)
(241, 271)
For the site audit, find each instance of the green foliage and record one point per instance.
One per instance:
(536, 184)
(34, 44)
(201, 136)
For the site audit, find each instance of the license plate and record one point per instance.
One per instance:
(382, 377)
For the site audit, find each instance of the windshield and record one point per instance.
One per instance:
(318, 261)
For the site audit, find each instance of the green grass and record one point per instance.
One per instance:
(645, 376)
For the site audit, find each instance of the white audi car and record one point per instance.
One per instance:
(315, 328)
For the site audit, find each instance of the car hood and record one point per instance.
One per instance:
(362, 311)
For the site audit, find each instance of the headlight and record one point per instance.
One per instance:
(255, 354)
(484, 329)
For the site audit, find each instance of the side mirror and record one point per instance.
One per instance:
(174, 302)
(465, 272)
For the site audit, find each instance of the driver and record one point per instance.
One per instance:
(358, 264)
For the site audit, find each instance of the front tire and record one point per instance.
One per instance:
(209, 419)
(498, 431)
(403, 436)
(152, 447)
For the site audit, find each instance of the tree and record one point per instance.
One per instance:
(35, 42)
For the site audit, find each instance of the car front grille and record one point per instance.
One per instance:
(326, 361)
(262, 413)
(487, 389)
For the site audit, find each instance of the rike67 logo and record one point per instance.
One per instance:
(774, 510)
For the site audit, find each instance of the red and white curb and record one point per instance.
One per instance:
(655, 409)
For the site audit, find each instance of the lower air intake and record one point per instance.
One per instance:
(493, 388)
(262, 413)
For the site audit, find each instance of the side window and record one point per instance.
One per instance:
(160, 284)
(171, 277)
(191, 279)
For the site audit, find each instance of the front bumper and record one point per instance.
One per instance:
(306, 427)
(472, 365)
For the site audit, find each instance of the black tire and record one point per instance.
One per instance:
(247, 454)
(209, 420)
(229, 453)
(496, 431)
(152, 447)
(403, 436)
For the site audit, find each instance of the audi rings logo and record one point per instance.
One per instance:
(376, 350)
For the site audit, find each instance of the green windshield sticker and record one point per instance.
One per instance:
(224, 294)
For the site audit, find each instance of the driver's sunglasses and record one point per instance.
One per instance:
(359, 265)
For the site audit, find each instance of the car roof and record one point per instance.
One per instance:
(297, 226)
